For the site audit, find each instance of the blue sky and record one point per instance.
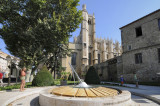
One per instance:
(111, 15)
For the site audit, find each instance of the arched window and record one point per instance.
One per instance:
(73, 59)
(89, 21)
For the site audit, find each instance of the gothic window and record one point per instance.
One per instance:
(138, 58)
(159, 23)
(138, 31)
(98, 58)
(84, 45)
(159, 55)
(89, 21)
(107, 56)
(89, 58)
(73, 59)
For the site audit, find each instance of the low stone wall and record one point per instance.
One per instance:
(110, 70)
(47, 99)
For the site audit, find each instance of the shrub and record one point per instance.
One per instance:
(43, 78)
(92, 76)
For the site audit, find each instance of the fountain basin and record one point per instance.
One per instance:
(49, 98)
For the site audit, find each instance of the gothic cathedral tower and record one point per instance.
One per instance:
(84, 34)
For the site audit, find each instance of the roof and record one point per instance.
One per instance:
(2, 54)
(141, 18)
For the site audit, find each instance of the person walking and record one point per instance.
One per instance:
(1, 78)
(136, 80)
(22, 77)
(122, 80)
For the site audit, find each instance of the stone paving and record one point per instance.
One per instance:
(153, 91)
(139, 101)
(30, 96)
(31, 100)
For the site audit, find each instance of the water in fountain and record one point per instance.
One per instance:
(82, 84)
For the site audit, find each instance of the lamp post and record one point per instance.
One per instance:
(10, 63)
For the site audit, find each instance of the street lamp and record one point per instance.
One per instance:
(10, 63)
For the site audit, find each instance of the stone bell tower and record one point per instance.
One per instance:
(84, 34)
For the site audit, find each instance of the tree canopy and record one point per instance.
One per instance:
(34, 29)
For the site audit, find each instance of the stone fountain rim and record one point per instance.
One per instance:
(49, 99)
(47, 93)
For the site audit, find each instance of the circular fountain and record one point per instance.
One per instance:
(84, 95)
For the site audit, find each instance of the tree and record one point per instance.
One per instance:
(34, 29)
(92, 76)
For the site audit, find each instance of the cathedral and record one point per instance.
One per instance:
(88, 50)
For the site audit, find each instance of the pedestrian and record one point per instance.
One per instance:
(136, 79)
(1, 78)
(122, 80)
(22, 77)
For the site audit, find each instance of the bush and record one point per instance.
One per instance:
(43, 78)
(92, 76)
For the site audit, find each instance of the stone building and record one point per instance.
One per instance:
(3, 61)
(87, 49)
(4, 65)
(141, 48)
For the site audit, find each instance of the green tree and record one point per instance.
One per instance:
(34, 29)
(92, 76)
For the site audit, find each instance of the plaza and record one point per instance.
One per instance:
(64, 53)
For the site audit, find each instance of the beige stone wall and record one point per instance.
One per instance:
(110, 70)
(150, 33)
(147, 44)
(146, 71)
(75, 48)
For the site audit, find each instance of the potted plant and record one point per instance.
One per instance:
(64, 77)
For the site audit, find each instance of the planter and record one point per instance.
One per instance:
(63, 82)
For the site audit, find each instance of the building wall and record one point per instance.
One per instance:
(75, 48)
(110, 70)
(147, 44)
(3, 61)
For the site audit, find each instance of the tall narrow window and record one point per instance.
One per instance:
(73, 59)
(138, 31)
(129, 47)
(138, 58)
(159, 23)
(89, 21)
(98, 58)
(159, 55)
(89, 58)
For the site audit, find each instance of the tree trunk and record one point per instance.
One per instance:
(54, 74)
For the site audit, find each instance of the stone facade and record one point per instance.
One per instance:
(110, 70)
(141, 48)
(3, 61)
(4, 65)
(88, 50)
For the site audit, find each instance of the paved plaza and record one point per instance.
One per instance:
(142, 96)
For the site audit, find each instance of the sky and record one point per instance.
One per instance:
(110, 15)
